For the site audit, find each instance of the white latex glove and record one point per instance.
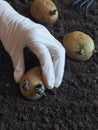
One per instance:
(18, 32)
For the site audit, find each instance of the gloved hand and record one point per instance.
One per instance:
(18, 32)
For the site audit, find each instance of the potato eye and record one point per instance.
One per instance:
(39, 89)
(52, 12)
(81, 51)
(26, 85)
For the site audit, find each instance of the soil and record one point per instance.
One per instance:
(74, 105)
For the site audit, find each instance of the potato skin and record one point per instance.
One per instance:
(41, 10)
(79, 46)
(34, 77)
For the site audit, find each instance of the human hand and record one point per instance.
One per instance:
(50, 53)
(18, 32)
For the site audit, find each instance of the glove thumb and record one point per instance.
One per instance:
(19, 67)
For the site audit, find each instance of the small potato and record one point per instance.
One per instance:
(31, 84)
(45, 11)
(79, 46)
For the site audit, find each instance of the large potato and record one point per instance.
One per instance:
(79, 46)
(45, 11)
(31, 84)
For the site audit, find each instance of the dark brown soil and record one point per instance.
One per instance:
(73, 106)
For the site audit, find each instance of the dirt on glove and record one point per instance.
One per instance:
(74, 105)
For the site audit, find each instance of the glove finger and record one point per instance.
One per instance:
(58, 57)
(18, 63)
(42, 35)
(46, 63)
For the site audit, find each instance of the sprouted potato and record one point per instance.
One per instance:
(79, 46)
(45, 11)
(32, 85)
